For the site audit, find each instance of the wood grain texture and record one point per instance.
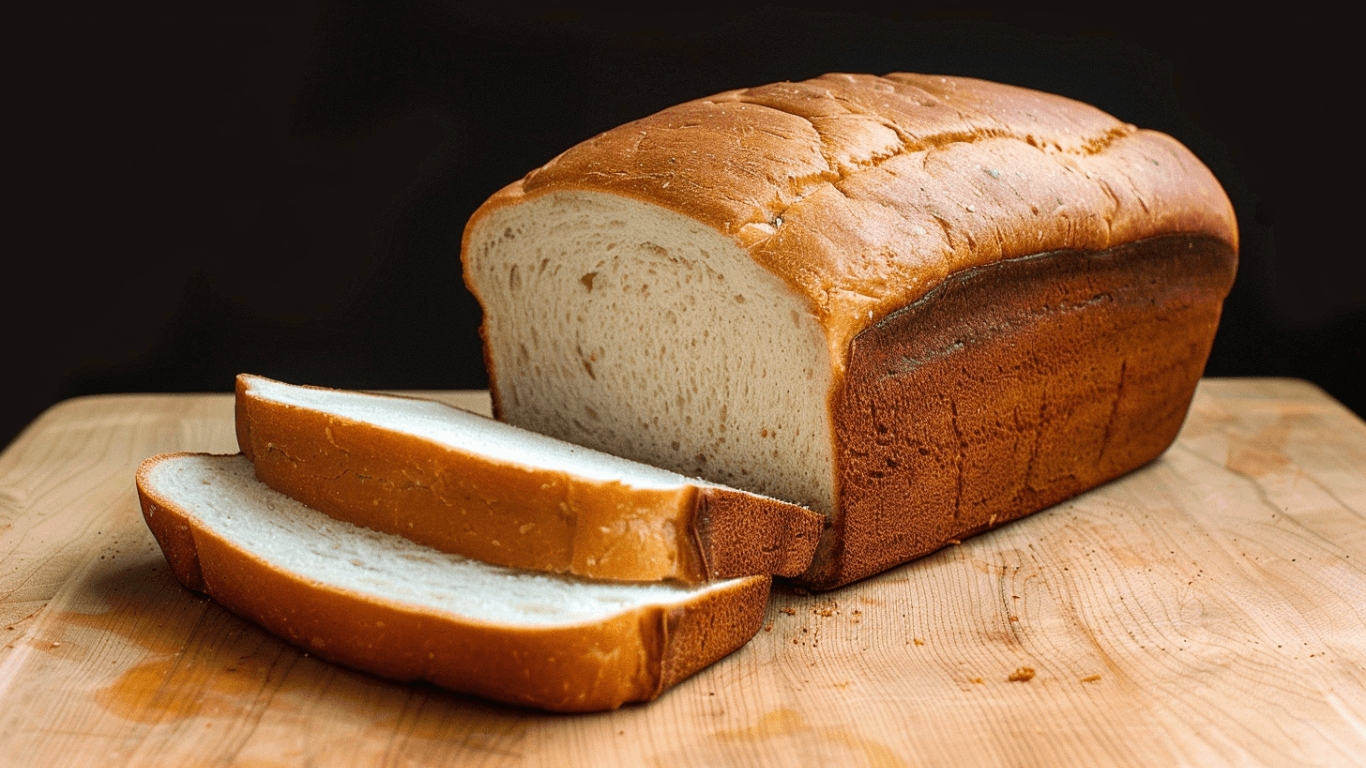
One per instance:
(1207, 609)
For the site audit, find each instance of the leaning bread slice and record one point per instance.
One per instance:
(386, 605)
(472, 486)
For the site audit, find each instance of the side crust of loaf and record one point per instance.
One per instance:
(1013, 387)
(631, 657)
(516, 514)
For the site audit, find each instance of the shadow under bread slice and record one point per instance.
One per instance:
(383, 604)
(469, 485)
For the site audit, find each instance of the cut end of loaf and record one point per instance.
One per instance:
(608, 303)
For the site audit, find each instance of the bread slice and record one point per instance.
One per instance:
(469, 485)
(920, 305)
(383, 604)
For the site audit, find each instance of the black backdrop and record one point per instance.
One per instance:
(203, 189)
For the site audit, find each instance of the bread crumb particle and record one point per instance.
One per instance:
(789, 611)
(1021, 675)
(918, 641)
(1091, 679)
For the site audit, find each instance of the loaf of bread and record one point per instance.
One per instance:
(469, 485)
(383, 604)
(923, 306)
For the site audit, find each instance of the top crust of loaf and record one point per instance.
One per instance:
(865, 192)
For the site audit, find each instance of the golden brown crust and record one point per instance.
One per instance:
(171, 529)
(705, 630)
(738, 532)
(1012, 388)
(516, 514)
(241, 421)
(631, 657)
(865, 192)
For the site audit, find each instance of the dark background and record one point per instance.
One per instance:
(280, 187)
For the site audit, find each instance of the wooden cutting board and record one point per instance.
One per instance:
(1207, 609)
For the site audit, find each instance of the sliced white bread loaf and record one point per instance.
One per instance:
(920, 305)
(469, 485)
(383, 604)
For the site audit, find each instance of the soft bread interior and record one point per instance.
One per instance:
(468, 432)
(643, 333)
(223, 494)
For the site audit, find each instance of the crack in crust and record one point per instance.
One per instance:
(907, 143)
